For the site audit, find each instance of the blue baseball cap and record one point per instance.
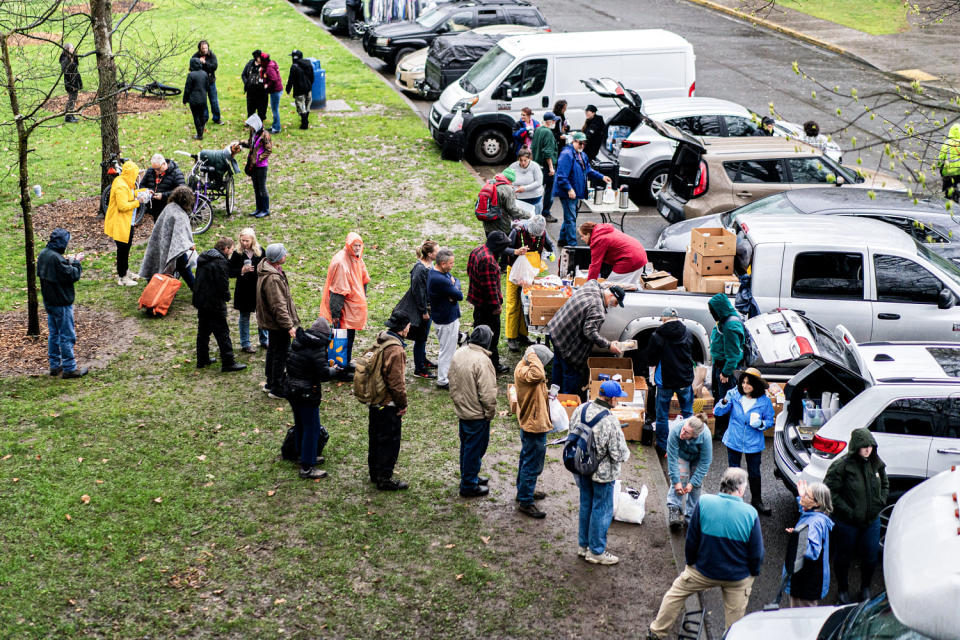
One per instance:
(549, 115)
(612, 389)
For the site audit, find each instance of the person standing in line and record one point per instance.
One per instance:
(570, 184)
(473, 391)
(727, 342)
(118, 222)
(277, 314)
(57, 274)
(444, 292)
(529, 237)
(243, 267)
(258, 160)
(724, 549)
(766, 127)
(210, 296)
(533, 414)
(624, 253)
(300, 80)
(689, 454)
(507, 202)
(528, 183)
(195, 95)
(344, 302)
(354, 15)
(387, 411)
(544, 151)
(593, 129)
(670, 350)
(72, 82)
(596, 491)
(253, 87)
(416, 305)
(485, 292)
(860, 489)
(563, 127)
(274, 86)
(808, 586)
(208, 60)
(523, 130)
(171, 239)
(948, 162)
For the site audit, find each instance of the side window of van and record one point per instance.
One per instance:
(697, 125)
(525, 17)
(903, 280)
(828, 274)
(528, 78)
(909, 417)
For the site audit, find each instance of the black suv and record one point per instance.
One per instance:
(392, 41)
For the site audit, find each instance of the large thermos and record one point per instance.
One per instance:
(598, 196)
(624, 201)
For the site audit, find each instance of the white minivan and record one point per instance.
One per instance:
(537, 70)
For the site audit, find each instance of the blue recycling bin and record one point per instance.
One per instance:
(319, 95)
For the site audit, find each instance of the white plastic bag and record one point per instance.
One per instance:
(629, 505)
(522, 272)
(558, 416)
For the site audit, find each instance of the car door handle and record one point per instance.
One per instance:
(954, 451)
(744, 194)
(545, 102)
(888, 316)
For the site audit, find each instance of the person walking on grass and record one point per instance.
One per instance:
(208, 60)
(277, 314)
(118, 222)
(258, 160)
(530, 379)
(300, 80)
(243, 267)
(344, 302)
(543, 150)
(416, 305)
(253, 87)
(724, 549)
(473, 391)
(57, 273)
(195, 95)
(274, 86)
(443, 290)
(507, 202)
(596, 491)
(689, 450)
(387, 410)
(485, 292)
(808, 586)
(670, 350)
(171, 239)
(570, 184)
(72, 82)
(210, 296)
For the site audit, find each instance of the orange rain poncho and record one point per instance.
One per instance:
(346, 276)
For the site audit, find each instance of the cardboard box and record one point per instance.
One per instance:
(579, 281)
(567, 397)
(630, 388)
(540, 316)
(661, 284)
(689, 272)
(713, 241)
(633, 418)
(713, 265)
(609, 362)
(712, 284)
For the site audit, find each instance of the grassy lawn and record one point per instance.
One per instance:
(876, 17)
(193, 527)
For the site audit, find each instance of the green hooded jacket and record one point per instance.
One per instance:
(858, 485)
(949, 159)
(728, 337)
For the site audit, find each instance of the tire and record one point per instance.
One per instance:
(202, 218)
(399, 55)
(161, 90)
(653, 181)
(230, 196)
(104, 201)
(490, 146)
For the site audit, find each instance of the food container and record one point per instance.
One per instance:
(624, 201)
(598, 196)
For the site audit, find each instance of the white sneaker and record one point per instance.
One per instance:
(582, 551)
(132, 276)
(123, 282)
(604, 558)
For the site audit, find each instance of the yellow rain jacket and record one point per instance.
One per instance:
(949, 159)
(119, 220)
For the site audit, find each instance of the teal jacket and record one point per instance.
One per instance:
(728, 338)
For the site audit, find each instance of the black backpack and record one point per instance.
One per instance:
(580, 451)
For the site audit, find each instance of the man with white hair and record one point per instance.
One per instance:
(689, 454)
(162, 178)
(527, 236)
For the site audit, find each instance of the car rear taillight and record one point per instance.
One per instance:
(827, 446)
(633, 144)
(693, 89)
(701, 186)
(804, 344)
(111, 171)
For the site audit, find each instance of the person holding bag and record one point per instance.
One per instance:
(344, 303)
(527, 237)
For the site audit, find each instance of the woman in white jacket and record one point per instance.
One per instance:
(529, 181)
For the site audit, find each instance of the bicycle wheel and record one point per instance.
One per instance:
(202, 217)
(230, 201)
(105, 201)
(161, 90)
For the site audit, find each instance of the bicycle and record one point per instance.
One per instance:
(207, 187)
(154, 89)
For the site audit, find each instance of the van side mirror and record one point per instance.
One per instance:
(946, 299)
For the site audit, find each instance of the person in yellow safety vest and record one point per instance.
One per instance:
(949, 163)
(528, 237)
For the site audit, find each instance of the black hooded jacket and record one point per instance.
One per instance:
(671, 346)
(300, 78)
(307, 367)
(210, 65)
(858, 485)
(168, 181)
(56, 273)
(195, 90)
(69, 64)
(212, 289)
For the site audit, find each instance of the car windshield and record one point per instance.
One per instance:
(486, 70)
(771, 204)
(946, 267)
(874, 620)
(432, 18)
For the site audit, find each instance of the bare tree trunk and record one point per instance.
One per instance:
(101, 16)
(23, 140)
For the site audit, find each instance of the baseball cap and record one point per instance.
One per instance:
(619, 293)
(578, 135)
(612, 389)
(669, 312)
(549, 115)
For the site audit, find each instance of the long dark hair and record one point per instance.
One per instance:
(759, 386)
(560, 108)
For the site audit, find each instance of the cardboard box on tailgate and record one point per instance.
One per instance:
(713, 241)
(544, 304)
(696, 282)
(708, 266)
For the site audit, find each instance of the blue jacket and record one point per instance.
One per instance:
(740, 436)
(56, 273)
(724, 540)
(444, 297)
(573, 174)
(698, 451)
(813, 580)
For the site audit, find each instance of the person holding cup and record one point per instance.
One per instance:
(243, 267)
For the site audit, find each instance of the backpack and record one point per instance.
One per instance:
(580, 452)
(369, 387)
(488, 208)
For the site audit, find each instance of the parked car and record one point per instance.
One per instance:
(927, 220)
(391, 42)
(315, 5)
(710, 175)
(334, 16)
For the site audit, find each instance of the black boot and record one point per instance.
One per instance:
(304, 120)
(755, 498)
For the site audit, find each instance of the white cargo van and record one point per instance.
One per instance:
(537, 70)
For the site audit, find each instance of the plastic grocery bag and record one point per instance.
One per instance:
(337, 351)
(558, 416)
(522, 272)
(629, 505)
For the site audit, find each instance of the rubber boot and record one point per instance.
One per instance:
(305, 121)
(755, 498)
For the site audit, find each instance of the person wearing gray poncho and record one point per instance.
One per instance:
(171, 239)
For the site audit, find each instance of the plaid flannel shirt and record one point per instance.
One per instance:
(484, 273)
(575, 328)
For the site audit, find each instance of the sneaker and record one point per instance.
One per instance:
(674, 518)
(79, 372)
(537, 495)
(236, 366)
(550, 218)
(128, 280)
(476, 492)
(262, 214)
(201, 365)
(264, 387)
(312, 473)
(392, 485)
(582, 552)
(443, 386)
(502, 369)
(425, 374)
(253, 213)
(532, 511)
(430, 365)
(130, 275)
(123, 282)
(604, 558)
(483, 480)
(55, 372)
(249, 349)
(513, 344)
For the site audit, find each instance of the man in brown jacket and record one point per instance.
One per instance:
(473, 389)
(277, 314)
(534, 416)
(386, 413)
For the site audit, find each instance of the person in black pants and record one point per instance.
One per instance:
(277, 314)
(387, 410)
(254, 88)
(195, 94)
(211, 292)
(486, 291)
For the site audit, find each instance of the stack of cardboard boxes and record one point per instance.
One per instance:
(544, 304)
(630, 410)
(708, 267)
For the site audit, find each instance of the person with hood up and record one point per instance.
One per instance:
(57, 274)
(670, 350)
(344, 302)
(727, 342)
(387, 411)
(300, 80)
(277, 314)
(258, 160)
(507, 201)
(161, 178)
(307, 368)
(766, 127)
(948, 162)
(860, 488)
(485, 292)
(527, 238)
(808, 586)
(274, 86)
(210, 296)
(533, 414)
(570, 184)
(253, 87)
(171, 239)
(208, 62)
(473, 391)
(118, 221)
(195, 95)
(72, 82)
(622, 252)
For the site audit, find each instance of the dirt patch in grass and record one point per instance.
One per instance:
(127, 103)
(38, 37)
(101, 337)
(79, 217)
(119, 7)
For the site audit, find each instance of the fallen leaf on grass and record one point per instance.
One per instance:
(486, 539)
(271, 492)
(459, 576)
(54, 415)
(449, 546)
(68, 517)
(158, 499)
(79, 459)
(16, 479)
(279, 601)
(85, 499)
(72, 601)
(202, 458)
(7, 457)
(99, 481)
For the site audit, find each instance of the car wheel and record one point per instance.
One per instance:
(654, 181)
(490, 146)
(399, 55)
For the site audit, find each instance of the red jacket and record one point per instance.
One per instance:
(271, 74)
(609, 246)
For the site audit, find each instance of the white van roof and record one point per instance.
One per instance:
(595, 42)
(921, 561)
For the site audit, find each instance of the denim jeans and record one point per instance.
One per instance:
(719, 392)
(547, 193)
(307, 422)
(569, 377)
(474, 437)
(848, 540)
(214, 103)
(536, 202)
(62, 336)
(183, 268)
(275, 108)
(693, 498)
(753, 461)
(664, 395)
(533, 448)
(244, 326)
(260, 193)
(568, 230)
(596, 513)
